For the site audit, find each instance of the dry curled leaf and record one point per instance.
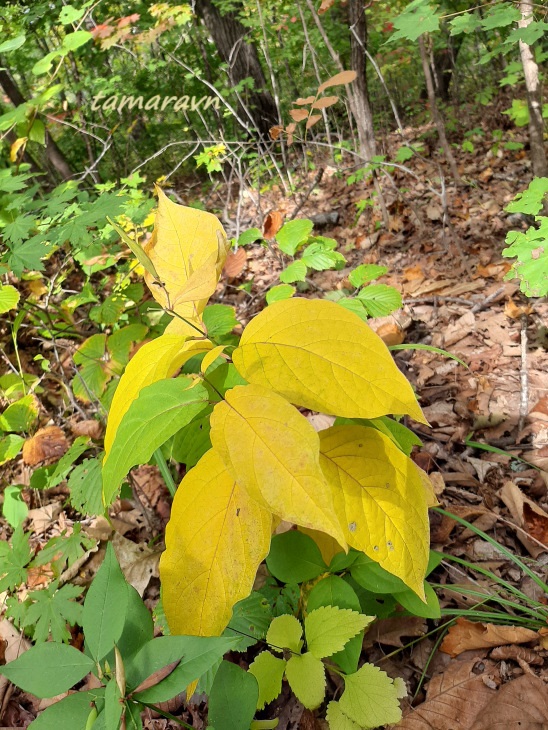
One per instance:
(519, 704)
(90, 427)
(465, 635)
(527, 515)
(272, 224)
(324, 7)
(46, 446)
(517, 653)
(298, 114)
(515, 311)
(235, 262)
(390, 631)
(275, 132)
(312, 120)
(391, 334)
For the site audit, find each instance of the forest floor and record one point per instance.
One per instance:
(451, 275)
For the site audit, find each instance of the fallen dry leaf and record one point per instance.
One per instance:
(465, 635)
(46, 446)
(235, 262)
(391, 334)
(138, 562)
(90, 427)
(521, 703)
(515, 311)
(272, 224)
(528, 516)
(390, 631)
(453, 700)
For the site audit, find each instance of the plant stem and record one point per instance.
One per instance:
(160, 460)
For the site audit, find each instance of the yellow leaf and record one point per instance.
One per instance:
(155, 361)
(187, 248)
(328, 546)
(16, 146)
(321, 356)
(273, 452)
(210, 358)
(215, 541)
(431, 496)
(379, 499)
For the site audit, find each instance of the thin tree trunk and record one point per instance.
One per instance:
(242, 59)
(56, 158)
(534, 101)
(438, 119)
(444, 61)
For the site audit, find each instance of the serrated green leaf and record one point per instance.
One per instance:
(338, 720)
(85, 484)
(20, 416)
(531, 251)
(328, 629)
(285, 632)
(370, 698)
(268, 670)
(64, 550)
(530, 201)
(306, 677)
(292, 234)
(418, 18)
(51, 609)
(9, 298)
(14, 560)
(365, 273)
(380, 299)
(317, 257)
(280, 292)
(499, 16)
(296, 271)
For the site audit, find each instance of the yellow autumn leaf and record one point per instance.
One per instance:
(274, 453)
(155, 361)
(323, 357)
(210, 358)
(215, 541)
(187, 248)
(379, 499)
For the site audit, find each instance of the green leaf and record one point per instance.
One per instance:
(294, 558)
(418, 18)
(306, 677)
(64, 550)
(531, 251)
(380, 299)
(233, 698)
(70, 14)
(250, 620)
(62, 468)
(138, 626)
(499, 16)
(50, 611)
(404, 153)
(296, 271)
(192, 441)
(85, 484)
(48, 669)
(160, 410)
(249, 236)
(20, 416)
(102, 625)
(113, 707)
(465, 23)
(197, 655)
(412, 603)
(285, 632)
(530, 201)
(429, 348)
(370, 698)
(518, 113)
(268, 670)
(328, 629)
(319, 258)
(292, 234)
(9, 298)
(354, 305)
(70, 712)
(372, 577)
(338, 720)
(136, 249)
(536, 30)
(44, 64)
(279, 292)
(365, 273)
(219, 319)
(72, 41)
(13, 560)
(15, 508)
(334, 591)
(10, 446)
(13, 44)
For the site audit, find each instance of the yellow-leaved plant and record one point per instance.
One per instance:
(349, 483)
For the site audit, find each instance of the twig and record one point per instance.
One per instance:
(524, 380)
(485, 302)
(308, 193)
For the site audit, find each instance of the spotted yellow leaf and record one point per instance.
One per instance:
(320, 355)
(156, 360)
(188, 248)
(215, 541)
(379, 499)
(273, 451)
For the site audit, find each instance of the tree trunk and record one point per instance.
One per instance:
(534, 101)
(54, 155)
(444, 65)
(358, 43)
(243, 61)
(438, 120)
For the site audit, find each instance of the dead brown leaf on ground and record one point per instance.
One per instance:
(521, 703)
(465, 635)
(391, 631)
(45, 447)
(272, 224)
(138, 562)
(235, 262)
(527, 515)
